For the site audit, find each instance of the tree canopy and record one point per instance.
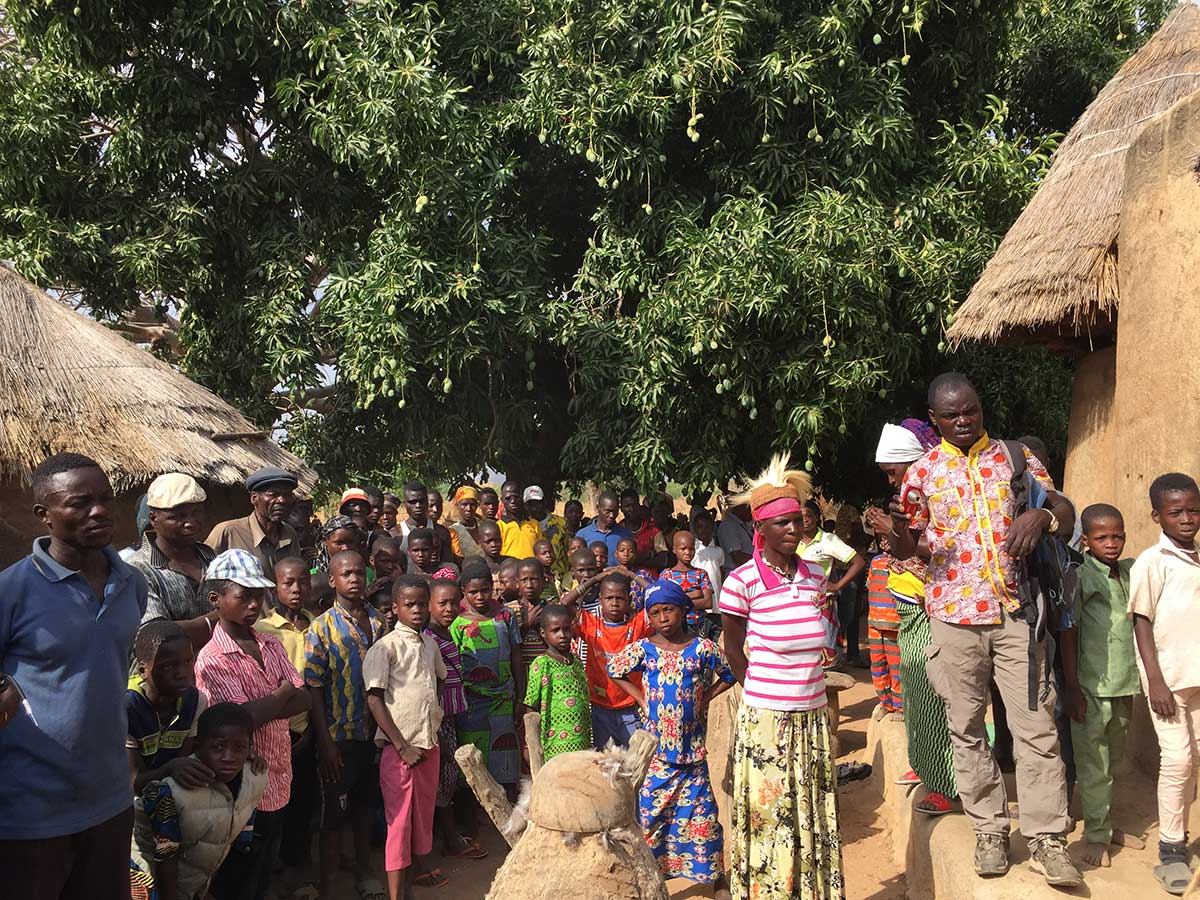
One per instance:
(576, 239)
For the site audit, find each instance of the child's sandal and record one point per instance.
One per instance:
(934, 804)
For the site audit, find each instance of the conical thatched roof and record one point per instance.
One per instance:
(1055, 273)
(67, 383)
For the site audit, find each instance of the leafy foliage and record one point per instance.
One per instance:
(605, 239)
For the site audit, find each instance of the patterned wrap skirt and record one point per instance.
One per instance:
(678, 813)
(930, 753)
(786, 844)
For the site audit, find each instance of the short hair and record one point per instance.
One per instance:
(474, 569)
(813, 507)
(542, 542)
(556, 611)
(511, 483)
(285, 561)
(508, 565)
(607, 495)
(151, 636)
(385, 538)
(223, 715)
(392, 498)
(583, 557)
(57, 464)
(619, 543)
(1097, 511)
(215, 586)
(488, 490)
(489, 524)
(630, 494)
(600, 545)
(705, 513)
(406, 582)
(1170, 483)
(573, 502)
(444, 583)
(618, 579)
(421, 534)
(372, 492)
(532, 562)
(416, 487)
(948, 381)
(344, 553)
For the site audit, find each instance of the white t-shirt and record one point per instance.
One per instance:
(826, 549)
(1164, 586)
(711, 558)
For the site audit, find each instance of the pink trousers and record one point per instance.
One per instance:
(409, 795)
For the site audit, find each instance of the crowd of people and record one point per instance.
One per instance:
(280, 674)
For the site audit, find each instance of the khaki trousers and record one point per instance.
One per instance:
(960, 662)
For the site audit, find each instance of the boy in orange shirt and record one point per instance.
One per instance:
(614, 713)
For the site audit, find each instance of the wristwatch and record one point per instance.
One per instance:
(1052, 528)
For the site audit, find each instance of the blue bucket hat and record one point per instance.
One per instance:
(667, 592)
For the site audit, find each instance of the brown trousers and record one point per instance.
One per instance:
(961, 660)
(90, 865)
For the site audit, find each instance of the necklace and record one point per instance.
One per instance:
(783, 573)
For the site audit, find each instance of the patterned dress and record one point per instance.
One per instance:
(558, 691)
(692, 580)
(486, 648)
(454, 701)
(676, 806)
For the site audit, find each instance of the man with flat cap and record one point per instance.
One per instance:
(265, 532)
(173, 558)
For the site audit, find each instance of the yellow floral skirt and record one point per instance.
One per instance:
(785, 841)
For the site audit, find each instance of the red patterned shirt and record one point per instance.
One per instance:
(227, 673)
(966, 511)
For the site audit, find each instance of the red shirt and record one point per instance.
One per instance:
(604, 641)
(644, 538)
(227, 673)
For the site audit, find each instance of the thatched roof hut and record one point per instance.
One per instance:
(67, 383)
(1054, 277)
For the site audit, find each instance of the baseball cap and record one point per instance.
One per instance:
(533, 492)
(239, 566)
(174, 489)
(354, 494)
(269, 475)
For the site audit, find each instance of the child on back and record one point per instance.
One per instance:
(182, 834)
(639, 578)
(677, 808)
(695, 582)
(1100, 676)
(558, 688)
(614, 712)
(1164, 597)
(402, 672)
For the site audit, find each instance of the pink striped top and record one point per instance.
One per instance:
(784, 634)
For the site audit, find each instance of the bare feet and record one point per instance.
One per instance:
(1121, 839)
(1097, 855)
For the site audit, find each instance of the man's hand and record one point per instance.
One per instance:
(1162, 701)
(901, 520)
(412, 756)
(10, 702)
(1074, 704)
(190, 772)
(1025, 532)
(330, 760)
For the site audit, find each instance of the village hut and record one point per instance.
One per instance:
(68, 383)
(1115, 228)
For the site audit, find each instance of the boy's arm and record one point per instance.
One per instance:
(1162, 701)
(166, 878)
(383, 718)
(1074, 704)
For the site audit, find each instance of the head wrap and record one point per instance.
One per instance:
(467, 491)
(667, 592)
(335, 523)
(924, 431)
(898, 445)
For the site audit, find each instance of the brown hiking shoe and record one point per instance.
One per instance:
(1048, 855)
(991, 854)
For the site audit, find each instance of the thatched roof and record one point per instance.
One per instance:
(67, 383)
(1055, 274)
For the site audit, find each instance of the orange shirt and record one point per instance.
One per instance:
(604, 641)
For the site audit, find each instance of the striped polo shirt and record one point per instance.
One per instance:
(334, 649)
(785, 637)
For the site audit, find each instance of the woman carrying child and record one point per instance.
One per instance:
(677, 808)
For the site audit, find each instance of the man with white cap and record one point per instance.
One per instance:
(264, 532)
(173, 558)
(553, 526)
(518, 532)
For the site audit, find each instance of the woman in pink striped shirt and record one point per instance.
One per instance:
(785, 840)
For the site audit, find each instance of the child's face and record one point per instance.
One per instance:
(507, 579)
(614, 602)
(238, 605)
(626, 552)
(489, 505)
(171, 671)
(341, 540)
(685, 548)
(387, 519)
(601, 554)
(435, 506)
(293, 583)
(411, 608)
(573, 513)
(478, 594)
(1105, 539)
(225, 752)
(667, 619)
(576, 544)
(420, 551)
(489, 540)
(530, 583)
(348, 575)
(443, 605)
(558, 631)
(385, 560)
(582, 571)
(704, 530)
(1178, 515)
(545, 554)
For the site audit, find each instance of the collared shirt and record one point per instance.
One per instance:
(63, 766)
(173, 595)
(159, 742)
(518, 538)
(334, 650)
(1107, 664)
(965, 511)
(228, 674)
(407, 666)
(292, 638)
(1164, 586)
(247, 534)
(825, 549)
(612, 537)
(785, 634)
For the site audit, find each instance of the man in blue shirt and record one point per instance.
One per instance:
(604, 527)
(68, 615)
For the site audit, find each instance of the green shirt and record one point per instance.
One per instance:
(1107, 655)
(559, 692)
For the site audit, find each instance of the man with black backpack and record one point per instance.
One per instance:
(993, 595)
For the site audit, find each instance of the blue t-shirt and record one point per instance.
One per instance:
(64, 763)
(591, 534)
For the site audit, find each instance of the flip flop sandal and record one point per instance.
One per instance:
(909, 777)
(1174, 877)
(934, 804)
(433, 878)
(371, 889)
(470, 851)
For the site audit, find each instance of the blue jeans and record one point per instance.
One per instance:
(617, 725)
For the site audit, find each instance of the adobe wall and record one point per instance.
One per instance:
(1091, 438)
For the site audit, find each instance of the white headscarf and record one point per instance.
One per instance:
(898, 445)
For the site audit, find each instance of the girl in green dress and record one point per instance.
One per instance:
(558, 688)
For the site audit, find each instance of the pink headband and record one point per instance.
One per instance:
(776, 508)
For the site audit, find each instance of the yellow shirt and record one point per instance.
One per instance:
(519, 537)
(292, 639)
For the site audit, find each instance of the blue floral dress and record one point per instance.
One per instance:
(676, 806)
